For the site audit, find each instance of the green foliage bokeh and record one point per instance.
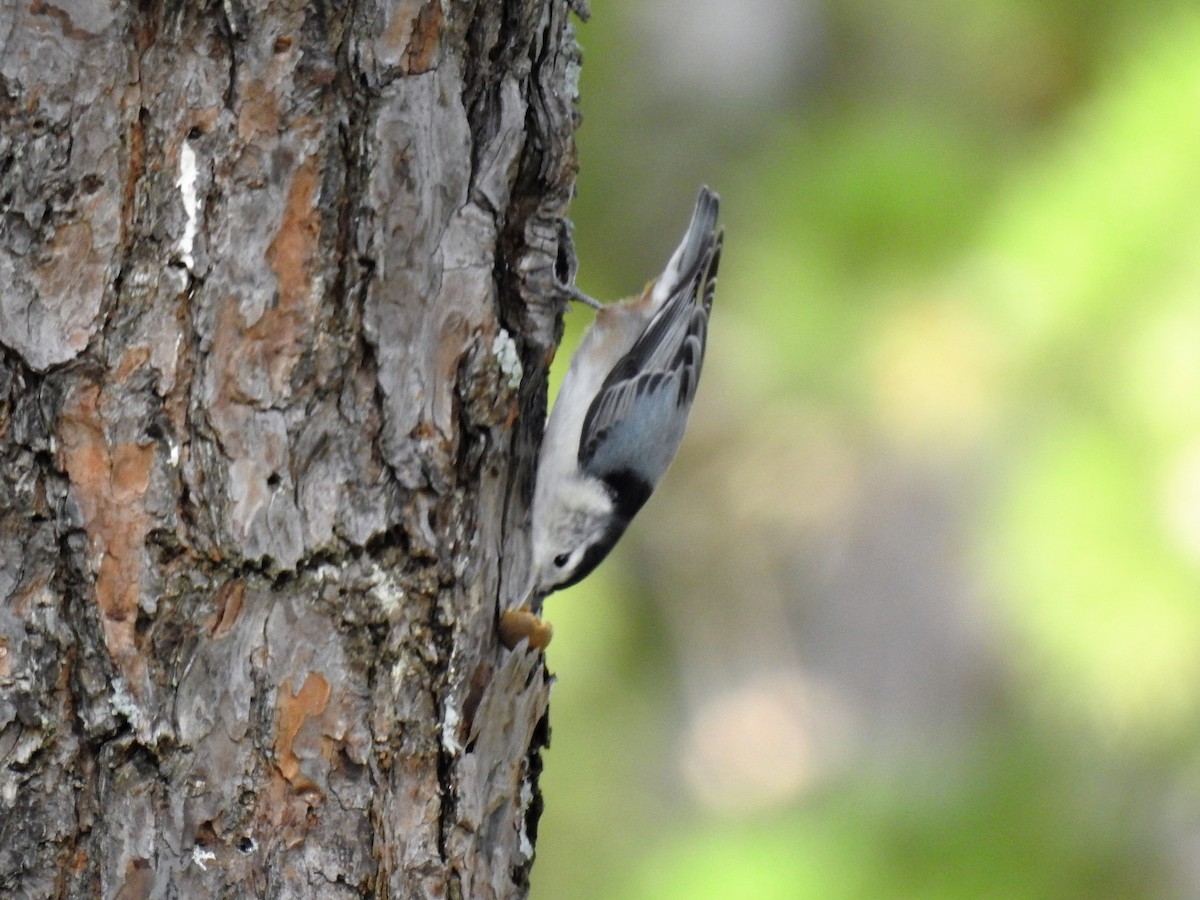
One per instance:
(968, 236)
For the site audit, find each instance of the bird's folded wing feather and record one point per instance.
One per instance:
(641, 410)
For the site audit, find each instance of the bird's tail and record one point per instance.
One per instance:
(694, 250)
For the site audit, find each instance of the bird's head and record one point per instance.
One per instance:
(573, 531)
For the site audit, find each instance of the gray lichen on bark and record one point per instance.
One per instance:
(276, 308)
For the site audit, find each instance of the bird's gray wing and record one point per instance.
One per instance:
(637, 419)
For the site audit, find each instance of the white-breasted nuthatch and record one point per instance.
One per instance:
(619, 418)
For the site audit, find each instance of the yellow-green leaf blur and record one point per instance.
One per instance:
(916, 613)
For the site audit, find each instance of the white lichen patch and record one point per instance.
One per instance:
(191, 204)
(125, 705)
(526, 799)
(202, 857)
(328, 572)
(461, 563)
(450, 724)
(386, 591)
(505, 351)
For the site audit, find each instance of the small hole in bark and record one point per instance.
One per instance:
(273, 480)
(196, 133)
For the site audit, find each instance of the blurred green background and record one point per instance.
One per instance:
(916, 614)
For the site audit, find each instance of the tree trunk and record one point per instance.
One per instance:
(274, 323)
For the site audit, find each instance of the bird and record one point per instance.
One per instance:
(619, 419)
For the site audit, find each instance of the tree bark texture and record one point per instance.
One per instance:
(275, 315)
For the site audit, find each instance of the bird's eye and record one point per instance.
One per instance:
(562, 559)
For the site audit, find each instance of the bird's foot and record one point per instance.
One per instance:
(573, 293)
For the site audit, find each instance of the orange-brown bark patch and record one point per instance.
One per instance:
(413, 36)
(136, 164)
(73, 271)
(131, 471)
(139, 880)
(227, 352)
(229, 607)
(259, 114)
(425, 40)
(256, 361)
(131, 360)
(108, 483)
(69, 28)
(283, 330)
(293, 709)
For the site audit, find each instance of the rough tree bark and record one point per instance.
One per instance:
(275, 315)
